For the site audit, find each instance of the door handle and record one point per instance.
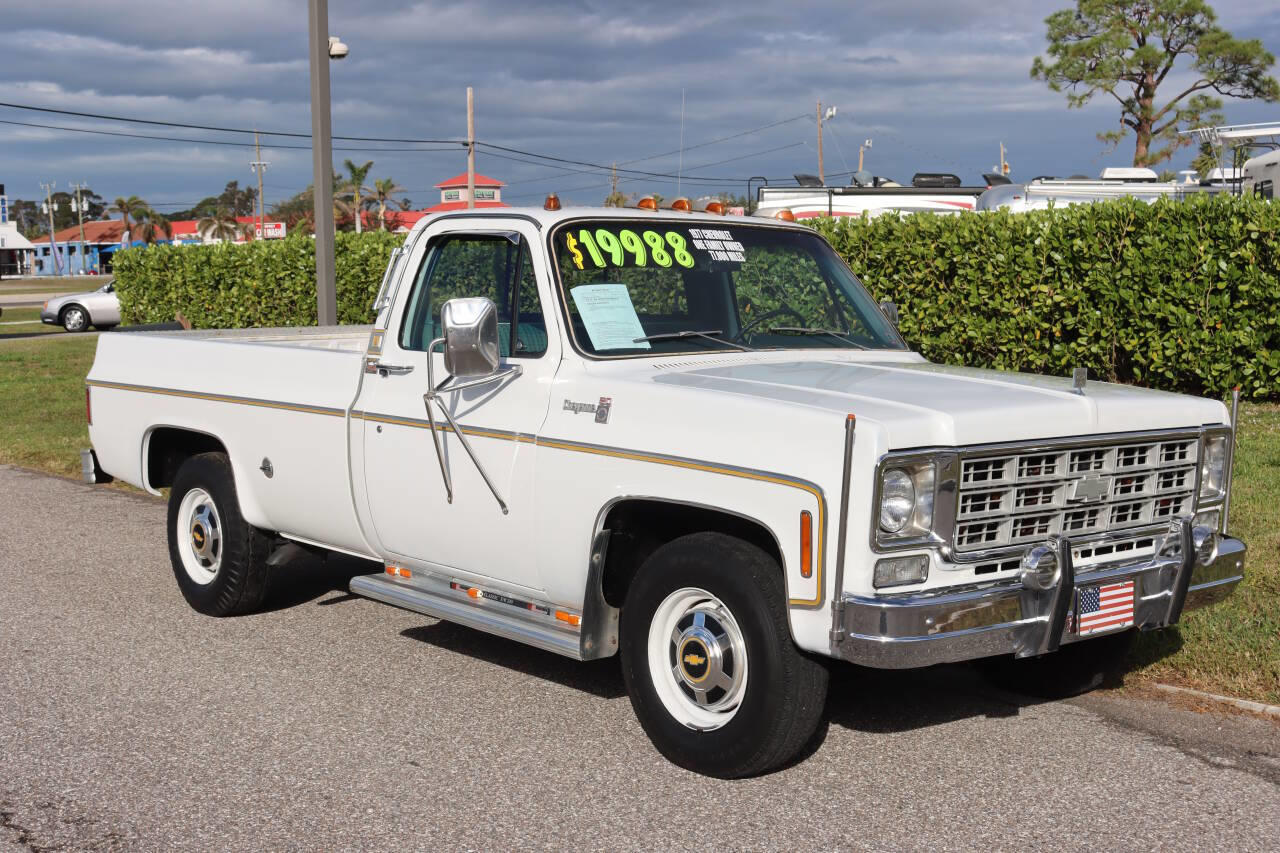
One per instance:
(385, 369)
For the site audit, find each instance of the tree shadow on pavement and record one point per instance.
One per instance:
(601, 678)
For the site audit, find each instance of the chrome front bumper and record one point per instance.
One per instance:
(920, 629)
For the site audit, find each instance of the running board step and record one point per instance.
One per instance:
(525, 622)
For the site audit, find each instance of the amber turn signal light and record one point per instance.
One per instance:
(806, 544)
(569, 618)
(552, 202)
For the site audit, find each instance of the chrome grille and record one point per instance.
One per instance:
(1013, 497)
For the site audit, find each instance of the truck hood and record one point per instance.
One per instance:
(921, 404)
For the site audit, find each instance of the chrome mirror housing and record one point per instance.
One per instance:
(471, 348)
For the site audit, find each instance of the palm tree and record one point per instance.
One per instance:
(221, 226)
(150, 223)
(127, 208)
(383, 193)
(356, 186)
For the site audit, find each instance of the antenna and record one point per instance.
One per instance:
(680, 168)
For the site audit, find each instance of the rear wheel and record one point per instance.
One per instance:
(75, 318)
(219, 559)
(714, 677)
(1074, 669)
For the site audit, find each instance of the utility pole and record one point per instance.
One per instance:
(613, 184)
(322, 162)
(79, 207)
(862, 150)
(471, 149)
(1005, 168)
(259, 165)
(821, 175)
(49, 208)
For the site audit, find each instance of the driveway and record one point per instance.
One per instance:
(330, 721)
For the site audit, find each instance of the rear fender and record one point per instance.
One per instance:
(250, 506)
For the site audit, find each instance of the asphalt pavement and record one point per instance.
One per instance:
(127, 721)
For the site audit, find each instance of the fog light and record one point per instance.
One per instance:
(1204, 541)
(898, 571)
(1039, 568)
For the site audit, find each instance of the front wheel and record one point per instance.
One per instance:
(219, 559)
(75, 319)
(714, 677)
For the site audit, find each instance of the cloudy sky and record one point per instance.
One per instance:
(936, 86)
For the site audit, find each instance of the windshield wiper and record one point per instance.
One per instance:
(709, 334)
(806, 330)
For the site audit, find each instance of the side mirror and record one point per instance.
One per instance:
(470, 327)
(890, 310)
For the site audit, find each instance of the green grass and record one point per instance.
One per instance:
(1232, 647)
(32, 323)
(42, 386)
(56, 286)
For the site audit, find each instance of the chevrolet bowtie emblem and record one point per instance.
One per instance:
(1089, 488)
(694, 660)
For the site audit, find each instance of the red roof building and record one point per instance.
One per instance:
(453, 193)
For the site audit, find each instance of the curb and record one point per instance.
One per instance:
(1244, 704)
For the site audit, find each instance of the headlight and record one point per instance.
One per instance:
(906, 501)
(1213, 467)
(897, 500)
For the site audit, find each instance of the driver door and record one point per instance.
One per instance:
(415, 523)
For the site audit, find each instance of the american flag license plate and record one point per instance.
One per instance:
(1107, 607)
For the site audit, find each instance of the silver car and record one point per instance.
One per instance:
(76, 312)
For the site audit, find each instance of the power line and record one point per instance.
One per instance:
(198, 141)
(596, 166)
(716, 141)
(686, 180)
(221, 129)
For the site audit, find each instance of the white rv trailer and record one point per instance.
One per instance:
(1113, 183)
(935, 193)
(1259, 175)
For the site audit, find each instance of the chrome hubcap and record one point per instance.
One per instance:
(698, 659)
(75, 319)
(200, 532)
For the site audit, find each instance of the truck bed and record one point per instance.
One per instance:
(280, 395)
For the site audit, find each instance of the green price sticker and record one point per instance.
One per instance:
(627, 248)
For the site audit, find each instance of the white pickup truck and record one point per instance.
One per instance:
(691, 440)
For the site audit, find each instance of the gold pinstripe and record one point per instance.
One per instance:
(730, 472)
(218, 398)
(523, 438)
(637, 456)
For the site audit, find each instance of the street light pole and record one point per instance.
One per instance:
(322, 162)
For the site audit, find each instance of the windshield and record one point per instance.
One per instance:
(651, 287)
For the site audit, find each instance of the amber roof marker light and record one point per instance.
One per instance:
(552, 202)
(647, 203)
(715, 207)
(682, 204)
(785, 215)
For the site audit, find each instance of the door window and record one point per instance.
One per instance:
(490, 265)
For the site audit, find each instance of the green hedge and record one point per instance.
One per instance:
(234, 286)
(1183, 296)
